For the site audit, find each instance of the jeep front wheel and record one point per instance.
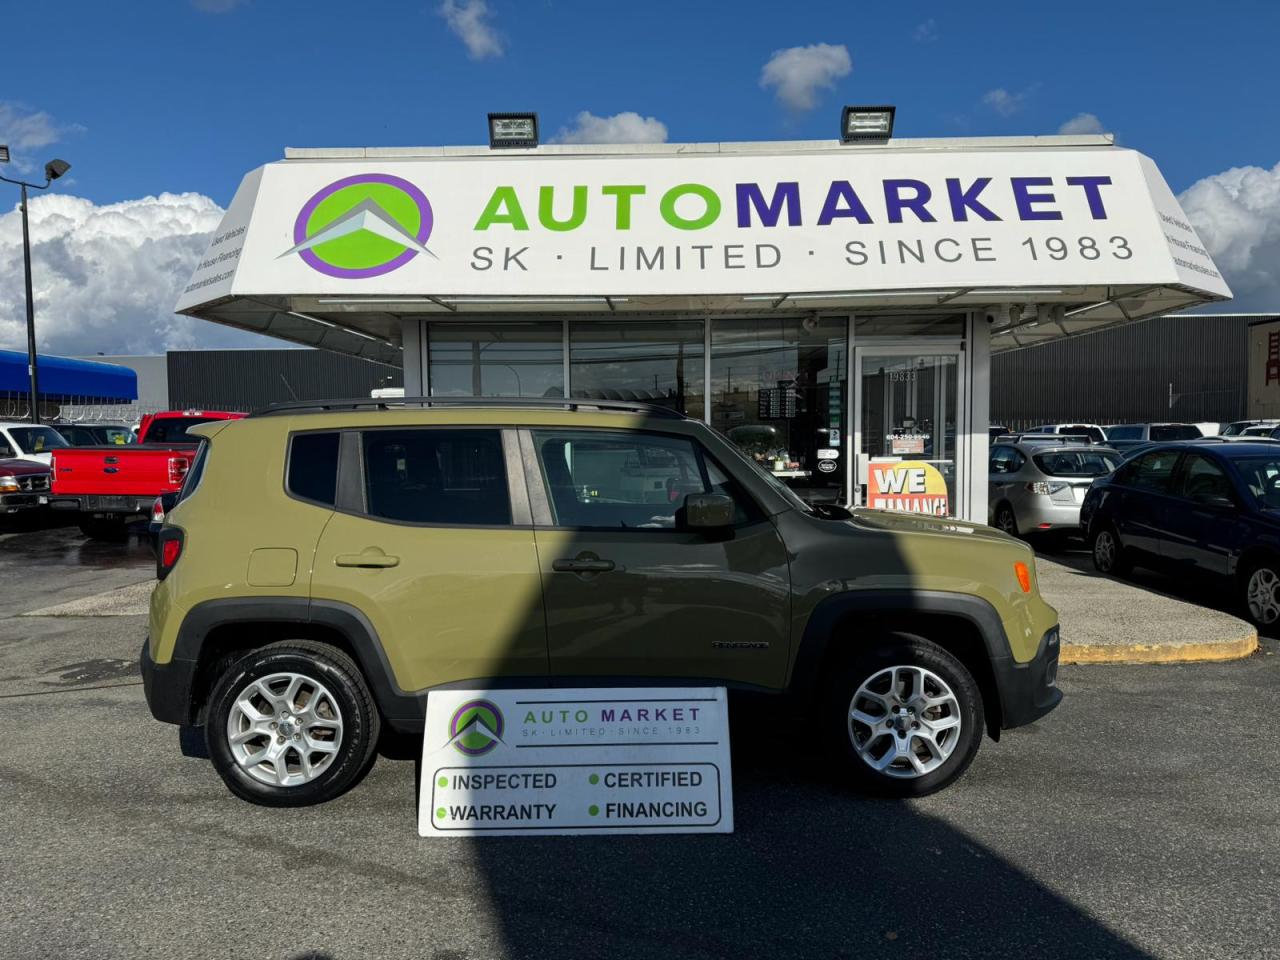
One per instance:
(292, 724)
(907, 717)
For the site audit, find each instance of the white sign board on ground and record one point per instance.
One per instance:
(579, 761)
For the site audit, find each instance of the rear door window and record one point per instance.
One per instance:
(437, 476)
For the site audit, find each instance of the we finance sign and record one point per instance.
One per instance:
(705, 224)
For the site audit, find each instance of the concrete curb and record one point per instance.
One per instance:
(1082, 653)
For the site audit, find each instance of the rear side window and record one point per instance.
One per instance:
(454, 477)
(1175, 431)
(192, 479)
(313, 467)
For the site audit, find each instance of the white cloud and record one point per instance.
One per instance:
(798, 73)
(1237, 214)
(23, 129)
(469, 19)
(927, 32)
(1082, 123)
(1005, 103)
(106, 277)
(626, 127)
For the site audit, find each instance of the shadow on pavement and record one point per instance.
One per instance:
(812, 870)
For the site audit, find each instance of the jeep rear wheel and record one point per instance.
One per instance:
(292, 724)
(906, 715)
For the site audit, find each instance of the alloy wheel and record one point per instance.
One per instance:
(1104, 551)
(285, 729)
(905, 721)
(1264, 605)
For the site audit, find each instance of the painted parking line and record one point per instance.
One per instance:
(130, 601)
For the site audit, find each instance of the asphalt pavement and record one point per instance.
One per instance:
(1140, 819)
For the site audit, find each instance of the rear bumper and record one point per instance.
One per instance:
(1042, 513)
(101, 504)
(1030, 690)
(167, 687)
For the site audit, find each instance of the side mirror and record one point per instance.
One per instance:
(708, 511)
(1216, 500)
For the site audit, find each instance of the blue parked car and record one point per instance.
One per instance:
(1194, 510)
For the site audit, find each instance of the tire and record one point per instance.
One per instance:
(1109, 555)
(108, 529)
(1260, 589)
(877, 756)
(1005, 520)
(330, 704)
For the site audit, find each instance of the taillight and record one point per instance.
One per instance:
(157, 511)
(168, 550)
(178, 467)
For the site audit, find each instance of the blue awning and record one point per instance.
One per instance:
(63, 380)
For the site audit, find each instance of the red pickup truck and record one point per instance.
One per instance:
(113, 484)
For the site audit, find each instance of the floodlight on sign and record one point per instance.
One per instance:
(862, 124)
(513, 130)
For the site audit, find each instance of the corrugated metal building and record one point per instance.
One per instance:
(251, 379)
(1188, 367)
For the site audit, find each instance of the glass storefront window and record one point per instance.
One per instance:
(659, 362)
(496, 359)
(778, 392)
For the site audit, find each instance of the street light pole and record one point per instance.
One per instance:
(52, 171)
(32, 372)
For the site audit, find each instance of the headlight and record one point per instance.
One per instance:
(8, 484)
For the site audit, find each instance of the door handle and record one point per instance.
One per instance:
(369, 559)
(582, 565)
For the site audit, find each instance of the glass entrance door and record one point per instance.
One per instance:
(905, 441)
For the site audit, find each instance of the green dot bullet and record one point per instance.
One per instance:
(443, 781)
(440, 812)
(594, 778)
(593, 810)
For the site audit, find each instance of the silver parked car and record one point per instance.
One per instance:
(1038, 487)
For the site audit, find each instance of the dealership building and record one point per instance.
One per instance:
(831, 307)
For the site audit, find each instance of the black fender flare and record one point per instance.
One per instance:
(399, 707)
(819, 631)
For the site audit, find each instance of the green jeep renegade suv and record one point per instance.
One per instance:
(328, 566)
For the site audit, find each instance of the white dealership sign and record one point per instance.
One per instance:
(702, 224)
(583, 761)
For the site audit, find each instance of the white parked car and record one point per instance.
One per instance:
(1094, 432)
(28, 441)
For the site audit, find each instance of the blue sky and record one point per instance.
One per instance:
(176, 99)
(163, 95)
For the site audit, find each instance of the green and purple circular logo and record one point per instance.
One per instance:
(476, 727)
(363, 226)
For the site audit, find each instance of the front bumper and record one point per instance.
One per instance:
(14, 502)
(1029, 690)
(167, 687)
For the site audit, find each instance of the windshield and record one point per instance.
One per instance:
(1076, 463)
(1262, 476)
(174, 429)
(37, 439)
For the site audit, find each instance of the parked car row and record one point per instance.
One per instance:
(106, 473)
(1205, 511)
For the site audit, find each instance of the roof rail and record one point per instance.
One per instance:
(537, 403)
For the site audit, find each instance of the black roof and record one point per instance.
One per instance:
(389, 403)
